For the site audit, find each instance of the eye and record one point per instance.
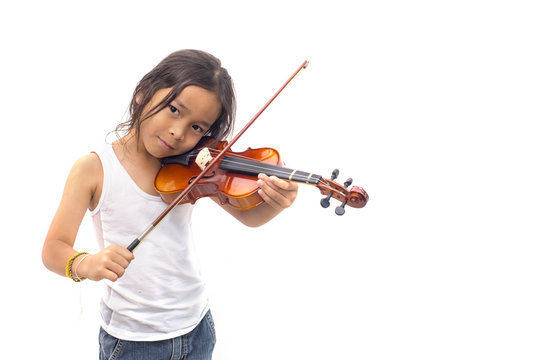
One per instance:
(197, 128)
(174, 110)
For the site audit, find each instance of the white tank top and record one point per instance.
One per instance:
(162, 294)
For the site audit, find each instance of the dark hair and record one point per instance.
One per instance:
(177, 71)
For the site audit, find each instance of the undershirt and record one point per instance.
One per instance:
(162, 294)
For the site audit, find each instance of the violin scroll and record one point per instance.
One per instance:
(356, 197)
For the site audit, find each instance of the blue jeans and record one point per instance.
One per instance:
(195, 345)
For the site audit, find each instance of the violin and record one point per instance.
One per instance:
(233, 179)
(211, 169)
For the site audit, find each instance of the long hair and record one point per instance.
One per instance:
(177, 71)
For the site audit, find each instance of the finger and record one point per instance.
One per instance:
(275, 197)
(287, 189)
(122, 251)
(117, 269)
(269, 200)
(268, 187)
(107, 274)
(277, 182)
(286, 185)
(112, 257)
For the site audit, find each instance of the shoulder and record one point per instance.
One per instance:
(86, 176)
(88, 165)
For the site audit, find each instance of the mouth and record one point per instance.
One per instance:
(165, 144)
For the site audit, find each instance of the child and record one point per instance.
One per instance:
(155, 306)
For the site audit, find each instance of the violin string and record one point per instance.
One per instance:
(256, 166)
(262, 167)
(217, 151)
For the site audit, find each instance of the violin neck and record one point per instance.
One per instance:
(253, 168)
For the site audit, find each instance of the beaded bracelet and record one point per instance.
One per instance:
(69, 272)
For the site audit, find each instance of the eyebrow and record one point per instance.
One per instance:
(179, 104)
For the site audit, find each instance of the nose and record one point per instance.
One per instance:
(177, 132)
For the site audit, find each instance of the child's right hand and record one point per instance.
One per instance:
(110, 263)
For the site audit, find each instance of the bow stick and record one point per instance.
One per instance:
(181, 196)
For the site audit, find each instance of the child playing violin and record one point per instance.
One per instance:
(155, 306)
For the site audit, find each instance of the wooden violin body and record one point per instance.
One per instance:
(233, 180)
(236, 189)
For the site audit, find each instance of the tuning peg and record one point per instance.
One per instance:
(340, 210)
(325, 202)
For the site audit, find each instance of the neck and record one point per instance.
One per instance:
(130, 149)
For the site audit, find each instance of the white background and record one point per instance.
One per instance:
(429, 105)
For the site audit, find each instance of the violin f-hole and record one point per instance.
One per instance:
(204, 177)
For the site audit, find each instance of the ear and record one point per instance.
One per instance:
(138, 97)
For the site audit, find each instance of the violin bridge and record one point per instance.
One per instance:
(203, 158)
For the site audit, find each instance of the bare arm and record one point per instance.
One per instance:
(82, 190)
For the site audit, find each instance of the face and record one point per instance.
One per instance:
(178, 127)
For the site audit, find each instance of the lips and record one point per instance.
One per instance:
(164, 144)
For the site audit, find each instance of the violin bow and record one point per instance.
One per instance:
(181, 196)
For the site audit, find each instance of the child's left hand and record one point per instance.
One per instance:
(277, 193)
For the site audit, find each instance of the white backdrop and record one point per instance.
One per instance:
(429, 105)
